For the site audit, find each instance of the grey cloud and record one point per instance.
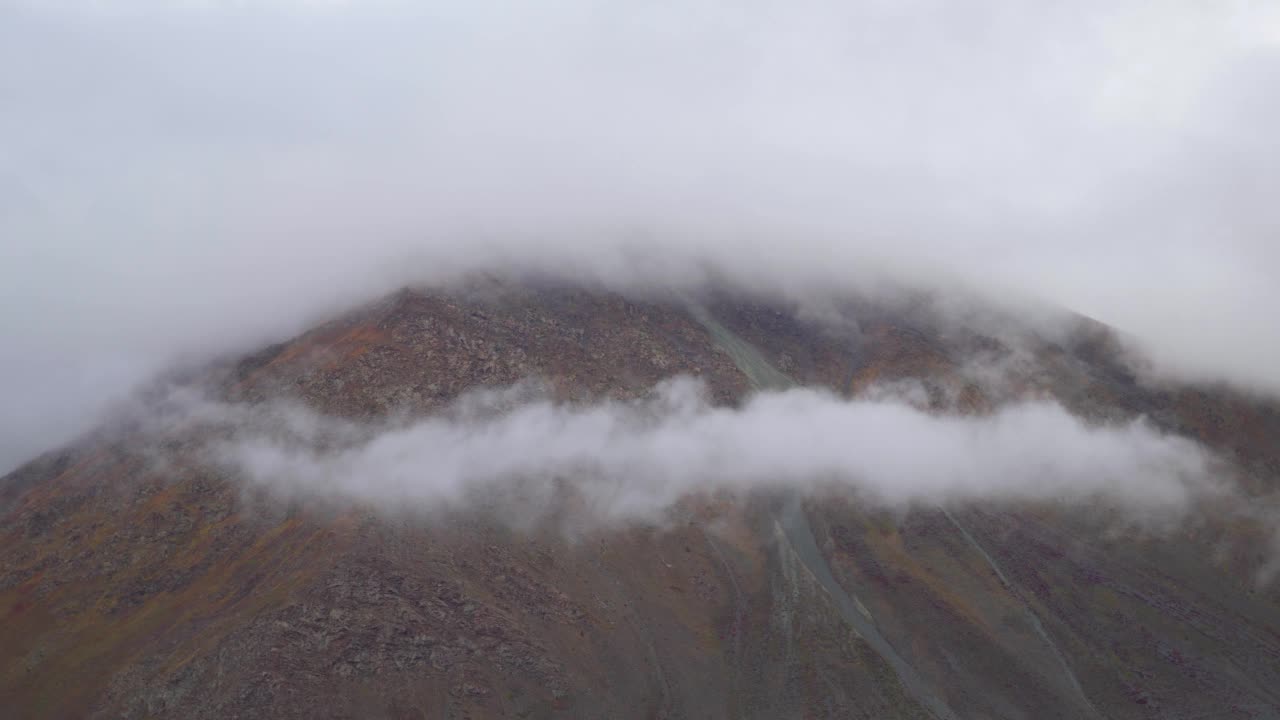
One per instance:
(180, 180)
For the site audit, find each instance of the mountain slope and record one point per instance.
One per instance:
(136, 588)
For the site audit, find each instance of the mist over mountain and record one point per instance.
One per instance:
(669, 360)
(180, 179)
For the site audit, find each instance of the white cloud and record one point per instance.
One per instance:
(635, 460)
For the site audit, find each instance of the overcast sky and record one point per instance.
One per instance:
(193, 176)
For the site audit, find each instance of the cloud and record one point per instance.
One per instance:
(527, 456)
(180, 179)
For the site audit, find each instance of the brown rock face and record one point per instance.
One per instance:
(139, 589)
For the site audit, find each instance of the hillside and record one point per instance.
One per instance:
(136, 588)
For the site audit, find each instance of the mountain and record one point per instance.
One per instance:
(140, 580)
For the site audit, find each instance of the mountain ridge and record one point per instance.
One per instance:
(132, 590)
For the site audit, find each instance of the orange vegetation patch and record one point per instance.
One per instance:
(355, 343)
(329, 350)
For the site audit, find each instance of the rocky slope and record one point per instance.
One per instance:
(144, 589)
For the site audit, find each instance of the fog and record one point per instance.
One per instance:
(525, 456)
(178, 179)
